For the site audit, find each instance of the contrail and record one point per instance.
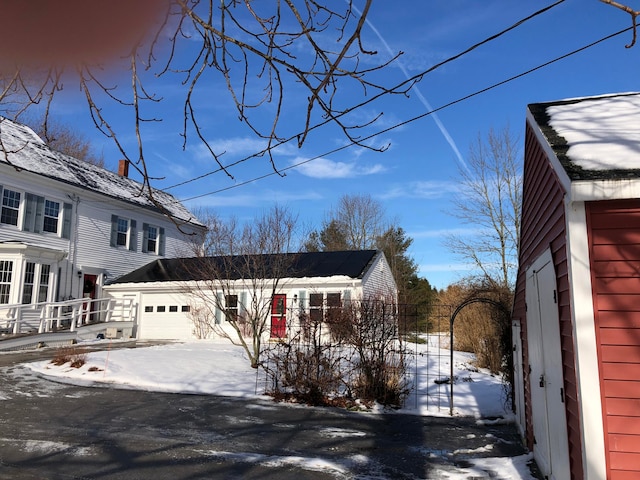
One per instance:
(423, 100)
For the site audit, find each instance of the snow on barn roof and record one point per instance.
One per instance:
(352, 264)
(593, 137)
(22, 149)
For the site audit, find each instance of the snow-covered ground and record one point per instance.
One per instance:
(209, 367)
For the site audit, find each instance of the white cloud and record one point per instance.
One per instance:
(241, 146)
(422, 189)
(324, 168)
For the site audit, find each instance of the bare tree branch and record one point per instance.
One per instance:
(270, 55)
(634, 18)
(490, 200)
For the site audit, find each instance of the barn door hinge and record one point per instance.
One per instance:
(555, 298)
(541, 381)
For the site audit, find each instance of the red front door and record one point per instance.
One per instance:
(278, 316)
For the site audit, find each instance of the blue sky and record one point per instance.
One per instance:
(415, 177)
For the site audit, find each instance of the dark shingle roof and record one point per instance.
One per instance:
(352, 264)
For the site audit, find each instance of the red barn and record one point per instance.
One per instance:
(576, 315)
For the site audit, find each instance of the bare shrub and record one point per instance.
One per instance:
(362, 358)
(309, 373)
(77, 357)
(379, 352)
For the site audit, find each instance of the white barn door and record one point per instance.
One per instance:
(551, 449)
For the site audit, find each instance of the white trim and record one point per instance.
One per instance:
(591, 190)
(584, 335)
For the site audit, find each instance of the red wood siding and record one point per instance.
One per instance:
(614, 249)
(543, 226)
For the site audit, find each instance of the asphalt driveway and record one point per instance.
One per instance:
(57, 431)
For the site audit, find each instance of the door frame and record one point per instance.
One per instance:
(278, 316)
(548, 408)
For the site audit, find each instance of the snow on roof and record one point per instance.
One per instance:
(22, 149)
(594, 137)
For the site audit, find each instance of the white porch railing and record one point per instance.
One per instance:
(67, 315)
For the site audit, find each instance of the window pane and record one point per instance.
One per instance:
(231, 311)
(43, 290)
(152, 239)
(6, 268)
(123, 230)
(10, 206)
(315, 307)
(29, 274)
(51, 213)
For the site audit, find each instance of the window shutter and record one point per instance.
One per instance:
(145, 236)
(346, 295)
(161, 238)
(66, 220)
(133, 237)
(28, 224)
(39, 220)
(219, 302)
(242, 304)
(302, 299)
(114, 230)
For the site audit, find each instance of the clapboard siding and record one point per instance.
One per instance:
(94, 235)
(378, 280)
(614, 247)
(544, 226)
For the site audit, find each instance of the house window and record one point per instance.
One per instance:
(29, 276)
(43, 288)
(333, 306)
(173, 308)
(231, 308)
(51, 214)
(153, 239)
(161, 309)
(123, 232)
(148, 308)
(316, 302)
(324, 310)
(42, 273)
(186, 308)
(38, 214)
(10, 207)
(6, 269)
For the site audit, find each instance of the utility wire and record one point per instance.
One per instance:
(403, 85)
(417, 117)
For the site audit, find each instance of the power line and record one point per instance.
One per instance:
(417, 117)
(401, 86)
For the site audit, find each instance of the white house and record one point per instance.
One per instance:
(66, 226)
(310, 283)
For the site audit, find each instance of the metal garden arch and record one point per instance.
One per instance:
(451, 320)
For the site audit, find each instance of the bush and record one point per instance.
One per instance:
(359, 355)
(77, 357)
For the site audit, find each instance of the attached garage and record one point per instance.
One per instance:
(171, 293)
